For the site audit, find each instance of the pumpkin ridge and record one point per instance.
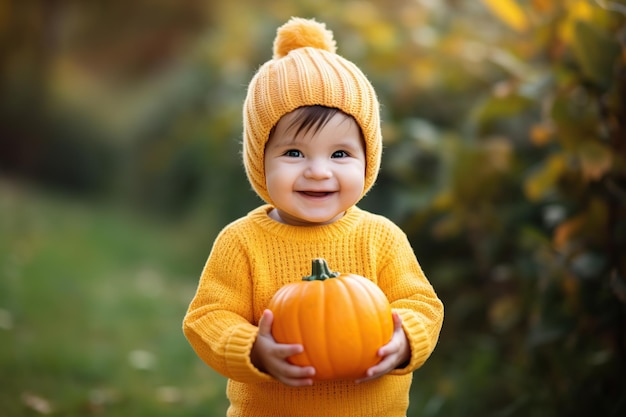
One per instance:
(374, 312)
(300, 358)
(302, 313)
(376, 305)
(372, 308)
(283, 328)
(354, 346)
(277, 306)
(326, 322)
(310, 325)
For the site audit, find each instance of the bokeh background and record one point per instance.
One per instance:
(505, 163)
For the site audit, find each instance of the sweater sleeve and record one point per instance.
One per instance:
(218, 323)
(412, 296)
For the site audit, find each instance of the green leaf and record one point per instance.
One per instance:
(541, 181)
(497, 107)
(596, 53)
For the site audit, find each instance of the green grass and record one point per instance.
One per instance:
(91, 305)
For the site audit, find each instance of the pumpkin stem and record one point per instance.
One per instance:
(320, 271)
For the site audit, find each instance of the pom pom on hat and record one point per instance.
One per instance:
(305, 70)
(299, 33)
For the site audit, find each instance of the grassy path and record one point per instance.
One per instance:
(91, 303)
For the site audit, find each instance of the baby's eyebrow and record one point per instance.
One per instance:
(347, 145)
(288, 141)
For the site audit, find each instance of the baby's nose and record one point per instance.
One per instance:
(317, 169)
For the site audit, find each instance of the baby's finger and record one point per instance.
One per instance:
(294, 371)
(297, 382)
(397, 320)
(265, 323)
(377, 370)
(297, 376)
(285, 351)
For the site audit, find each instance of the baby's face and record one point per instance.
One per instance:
(315, 176)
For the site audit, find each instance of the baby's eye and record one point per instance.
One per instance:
(294, 153)
(340, 154)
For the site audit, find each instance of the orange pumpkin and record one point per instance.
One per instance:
(340, 319)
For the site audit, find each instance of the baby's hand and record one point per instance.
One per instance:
(271, 357)
(392, 355)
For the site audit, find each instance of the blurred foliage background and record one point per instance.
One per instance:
(505, 147)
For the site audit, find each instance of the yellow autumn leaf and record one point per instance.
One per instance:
(381, 35)
(509, 12)
(577, 10)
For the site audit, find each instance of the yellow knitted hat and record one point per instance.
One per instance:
(306, 71)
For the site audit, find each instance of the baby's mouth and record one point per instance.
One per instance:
(316, 193)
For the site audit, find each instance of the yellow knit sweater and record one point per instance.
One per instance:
(253, 257)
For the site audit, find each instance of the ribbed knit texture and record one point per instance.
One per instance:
(306, 71)
(254, 256)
